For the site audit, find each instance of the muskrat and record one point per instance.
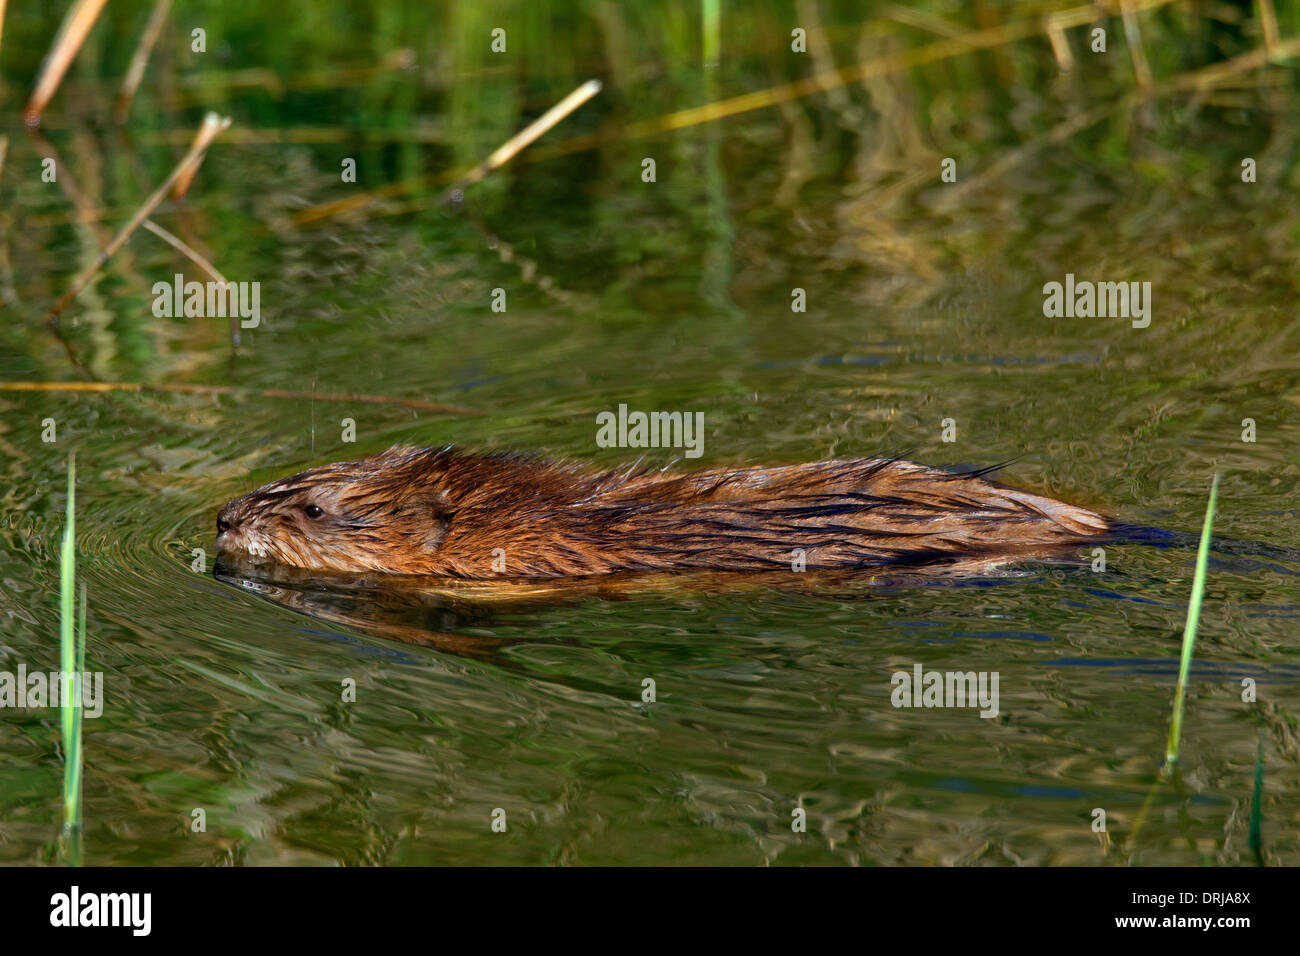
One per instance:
(434, 511)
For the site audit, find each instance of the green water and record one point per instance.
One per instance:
(924, 303)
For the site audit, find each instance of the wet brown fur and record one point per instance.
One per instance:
(435, 511)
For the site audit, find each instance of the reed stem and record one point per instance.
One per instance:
(72, 646)
(1189, 630)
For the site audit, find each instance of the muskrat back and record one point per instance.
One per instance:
(435, 511)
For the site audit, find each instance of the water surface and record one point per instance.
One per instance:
(924, 303)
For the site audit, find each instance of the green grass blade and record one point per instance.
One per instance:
(1189, 631)
(72, 774)
(711, 18)
(70, 710)
(1256, 808)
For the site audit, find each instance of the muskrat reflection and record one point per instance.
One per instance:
(444, 613)
(416, 612)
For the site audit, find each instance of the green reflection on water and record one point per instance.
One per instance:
(924, 303)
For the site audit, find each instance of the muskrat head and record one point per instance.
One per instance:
(377, 514)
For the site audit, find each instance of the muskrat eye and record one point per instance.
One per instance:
(313, 511)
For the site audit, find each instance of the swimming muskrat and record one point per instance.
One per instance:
(433, 511)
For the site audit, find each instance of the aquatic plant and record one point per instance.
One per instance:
(72, 660)
(1189, 629)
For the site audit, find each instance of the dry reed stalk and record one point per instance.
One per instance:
(502, 155)
(278, 136)
(185, 249)
(1268, 24)
(135, 72)
(186, 179)
(87, 213)
(80, 18)
(1058, 134)
(234, 390)
(1060, 45)
(1133, 37)
(530, 133)
(1211, 76)
(823, 56)
(918, 19)
(988, 17)
(211, 128)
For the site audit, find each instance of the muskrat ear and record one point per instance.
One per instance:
(426, 515)
(439, 526)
